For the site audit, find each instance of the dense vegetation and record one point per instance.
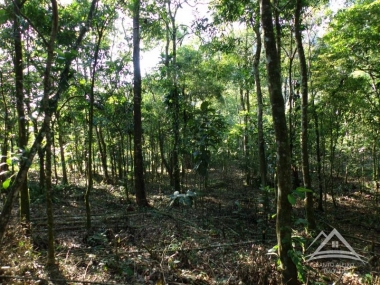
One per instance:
(257, 128)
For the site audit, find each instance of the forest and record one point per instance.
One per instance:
(189, 142)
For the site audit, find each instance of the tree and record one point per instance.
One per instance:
(284, 208)
(49, 142)
(99, 37)
(304, 120)
(346, 60)
(137, 138)
(19, 84)
(248, 13)
(64, 78)
(259, 98)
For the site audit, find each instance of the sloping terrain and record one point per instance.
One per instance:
(222, 239)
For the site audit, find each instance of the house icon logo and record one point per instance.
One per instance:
(329, 248)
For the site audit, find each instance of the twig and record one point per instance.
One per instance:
(340, 277)
(57, 280)
(88, 265)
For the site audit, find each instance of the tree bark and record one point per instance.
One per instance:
(284, 208)
(174, 93)
(138, 157)
(19, 84)
(319, 159)
(304, 121)
(103, 153)
(90, 180)
(48, 116)
(53, 103)
(259, 98)
(65, 179)
(4, 167)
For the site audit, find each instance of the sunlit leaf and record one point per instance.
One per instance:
(7, 183)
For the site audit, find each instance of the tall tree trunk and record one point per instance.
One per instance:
(246, 138)
(19, 83)
(14, 189)
(304, 121)
(259, 97)
(175, 96)
(90, 176)
(245, 108)
(90, 159)
(291, 114)
(319, 159)
(48, 116)
(284, 208)
(138, 156)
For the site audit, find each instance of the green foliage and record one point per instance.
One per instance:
(298, 193)
(207, 129)
(368, 279)
(298, 261)
(296, 255)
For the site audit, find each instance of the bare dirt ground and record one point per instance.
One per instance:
(223, 239)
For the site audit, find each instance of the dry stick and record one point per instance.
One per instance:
(88, 265)
(340, 277)
(67, 255)
(161, 265)
(57, 280)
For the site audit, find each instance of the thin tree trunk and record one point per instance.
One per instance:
(65, 180)
(138, 156)
(103, 153)
(259, 97)
(49, 139)
(284, 208)
(4, 167)
(319, 160)
(304, 121)
(295, 180)
(49, 204)
(175, 97)
(90, 176)
(19, 84)
(90, 170)
(164, 162)
(27, 162)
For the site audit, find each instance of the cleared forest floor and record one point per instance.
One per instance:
(223, 239)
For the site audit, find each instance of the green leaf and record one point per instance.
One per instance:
(302, 190)
(273, 250)
(4, 17)
(204, 106)
(291, 199)
(7, 183)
